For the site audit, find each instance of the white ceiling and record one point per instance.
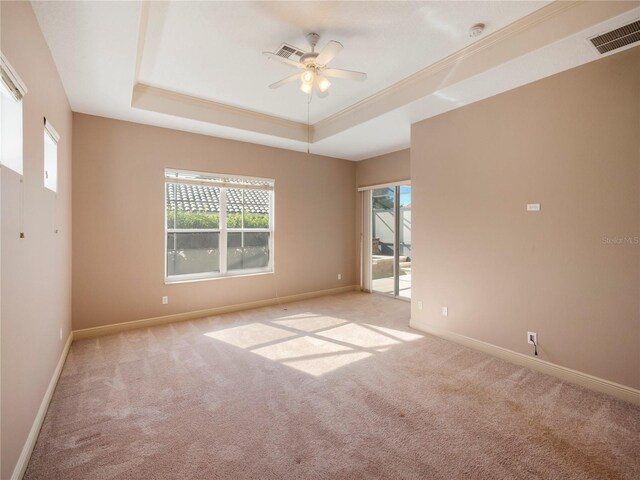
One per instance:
(212, 51)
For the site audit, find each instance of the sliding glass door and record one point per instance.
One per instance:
(390, 235)
(383, 240)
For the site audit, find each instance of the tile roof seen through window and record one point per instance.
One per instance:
(200, 198)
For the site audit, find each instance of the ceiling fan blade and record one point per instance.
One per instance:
(329, 51)
(285, 80)
(280, 59)
(347, 74)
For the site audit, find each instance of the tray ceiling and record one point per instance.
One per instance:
(198, 66)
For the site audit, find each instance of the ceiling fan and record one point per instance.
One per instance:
(315, 68)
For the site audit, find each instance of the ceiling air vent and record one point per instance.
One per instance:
(618, 38)
(287, 51)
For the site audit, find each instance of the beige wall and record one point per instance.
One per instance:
(36, 271)
(388, 168)
(118, 229)
(572, 143)
(392, 167)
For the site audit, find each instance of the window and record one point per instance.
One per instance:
(51, 138)
(217, 225)
(11, 92)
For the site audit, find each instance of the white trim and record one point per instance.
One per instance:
(206, 183)
(178, 171)
(551, 23)
(55, 136)
(27, 449)
(172, 176)
(142, 36)
(214, 179)
(13, 77)
(223, 240)
(543, 27)
(197, 277)
(193, 230)
(366, 241)
(50, 158)
(617, 390)
(180, 317)
(384, 185)
(154, 99)
(272, 234)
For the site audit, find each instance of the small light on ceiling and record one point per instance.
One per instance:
(476, 30)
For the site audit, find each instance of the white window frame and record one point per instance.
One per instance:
(50, 132)
(13, 90)
(222, 229)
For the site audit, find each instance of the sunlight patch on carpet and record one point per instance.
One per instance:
(250, 335)
(313, 344)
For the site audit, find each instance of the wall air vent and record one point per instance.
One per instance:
(292, 53)
(618, 38)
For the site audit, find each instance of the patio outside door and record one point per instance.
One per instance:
(391, 241)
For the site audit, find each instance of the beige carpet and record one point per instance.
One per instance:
(331, 388)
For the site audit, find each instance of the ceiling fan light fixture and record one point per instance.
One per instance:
(307, 77)
(313, 67)
(323, 83)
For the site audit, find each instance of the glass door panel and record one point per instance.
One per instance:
(383, 240)
(391, 241)
(404, 242)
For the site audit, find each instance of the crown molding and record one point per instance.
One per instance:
(161, 100)
(543, 27)
(547, 25)
(169, 102)
(142, 37)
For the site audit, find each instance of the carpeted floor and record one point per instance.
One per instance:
(330, 388)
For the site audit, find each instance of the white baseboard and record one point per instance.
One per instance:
(178, 317)
(25, 455)
(617, 390)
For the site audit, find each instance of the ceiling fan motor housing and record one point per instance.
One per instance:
(309, 58)
(313, 38)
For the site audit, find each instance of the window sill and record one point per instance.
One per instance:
(182, 279)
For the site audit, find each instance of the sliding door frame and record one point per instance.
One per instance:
(366, 282)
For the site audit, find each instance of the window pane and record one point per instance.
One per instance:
(247, 250)
(234, 208)
(170, 213)
(10, 131)
(256, 208)
(248, 208)
(193, 253)
(50, 162)
(192, 206)
(383, 232)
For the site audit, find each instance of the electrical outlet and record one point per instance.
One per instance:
(419, 304)
(445, 312)
(165, 300)
(532, 338)
(339, 276)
